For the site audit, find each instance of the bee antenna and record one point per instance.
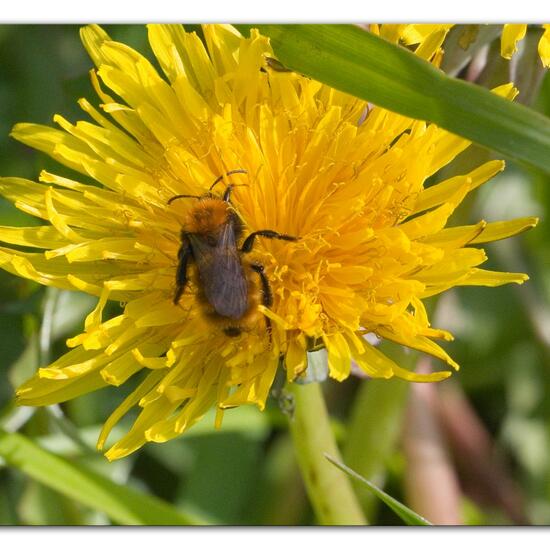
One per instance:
(182, 197)
(230, 173)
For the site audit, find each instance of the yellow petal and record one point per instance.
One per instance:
(544, 46)
(131, 400)
(429, 47)
(456, 237)
(502, 230)
(507, 91)
(369, 359)
(44, 236)
(419, 343)
(416, 377)
(483, 277)
(93, 37)
(439, 193)
(339, 357)
(296, 357)
(39, 392)
(418, 33)
(511, 35)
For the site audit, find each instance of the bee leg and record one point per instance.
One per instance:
(181, 274)
(249, 241)
(227, 194)
(267, 295)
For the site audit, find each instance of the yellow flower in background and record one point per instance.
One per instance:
(427, 39)
(425, 35)
(411, 34)
(513, 33)
(303, 160)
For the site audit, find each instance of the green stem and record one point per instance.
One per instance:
(328, 488)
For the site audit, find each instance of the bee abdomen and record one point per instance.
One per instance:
(232, 309)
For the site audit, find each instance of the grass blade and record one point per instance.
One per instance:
(406, 514)
(123, 504)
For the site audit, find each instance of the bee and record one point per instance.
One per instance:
(211, 238)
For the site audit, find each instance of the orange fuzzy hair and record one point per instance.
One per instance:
(207, 216)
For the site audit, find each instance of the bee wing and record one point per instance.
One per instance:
(228, 291)
(221, 273)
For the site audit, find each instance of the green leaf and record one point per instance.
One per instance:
(374, 428)
(123, 504)
(406, 514)
(355, 61)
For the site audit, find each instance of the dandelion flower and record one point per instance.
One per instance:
(345, 177)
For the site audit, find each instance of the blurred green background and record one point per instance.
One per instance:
(493, 416)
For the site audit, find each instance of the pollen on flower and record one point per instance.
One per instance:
(345, 181)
